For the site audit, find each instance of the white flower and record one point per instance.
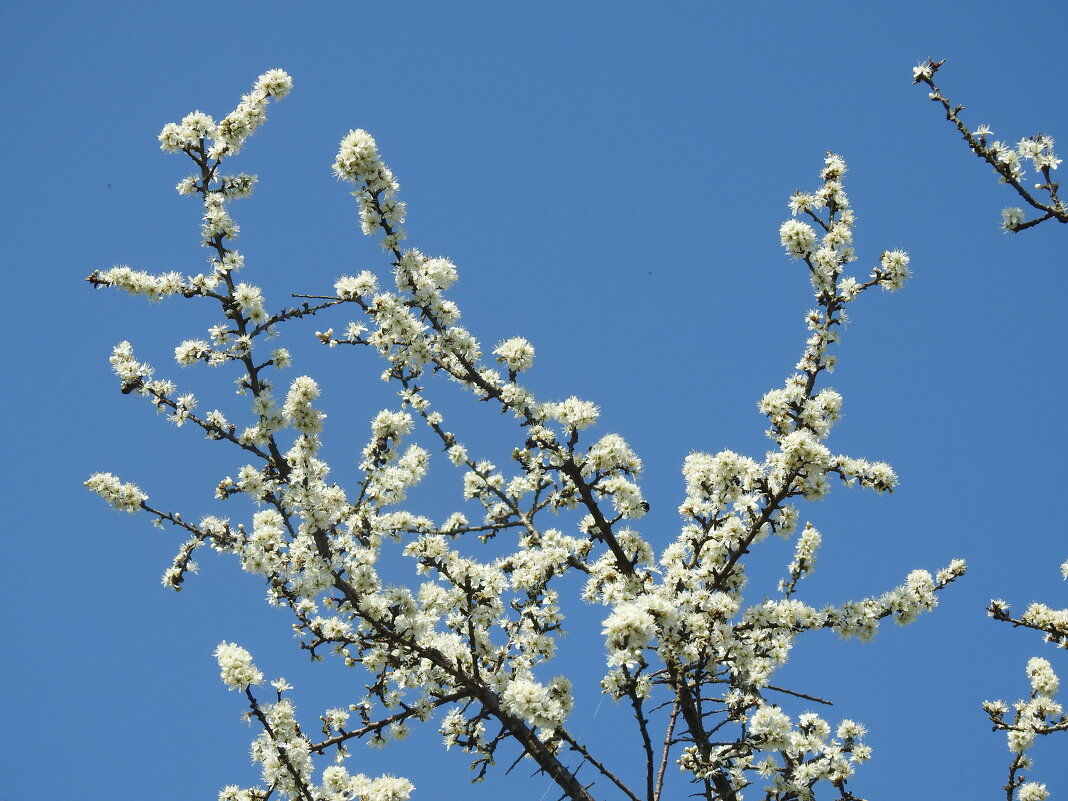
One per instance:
(457, 454)
(517, 353)
(235, 666)
(575, 413)
(387, 788)
(1032, 791)
(199, 123)
(770, 727)
(797, 237)
(191, 351)
(349, 287)
(893, 269)
(391, 425)
(281, 358)
(358, 154)
(1043, 680)
(1020, 741)
(850, 730)
(925, 70)
(627, 630)
(275, 83)
(1011, 218)
(248, 296)
(534, 702)
(298, 406)
(125, 497)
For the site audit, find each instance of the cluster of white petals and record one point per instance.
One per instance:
(350, 287)
(235, 666)
(298, 407)
(574, 413)
(797, 237)
(517, 353)
(125, 497)
(230, 133)
(358, 161)
(1040, 714)
(1038, 150)
(1032, 791)
(154, 287)
(544, 707)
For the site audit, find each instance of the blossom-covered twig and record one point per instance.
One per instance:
(1007, 160)
(468, 633)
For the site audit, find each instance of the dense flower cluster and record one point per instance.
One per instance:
(1040, 714)
(235, 666)
(125, 497)
(230, 134)
(358, 161)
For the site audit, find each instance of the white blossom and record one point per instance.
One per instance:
(124, 497)
(235, 666)
(516, 353)
(797, 237)
(1011, 218)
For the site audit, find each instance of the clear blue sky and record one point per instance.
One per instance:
(610, 178)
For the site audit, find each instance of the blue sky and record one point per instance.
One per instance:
(610, 178)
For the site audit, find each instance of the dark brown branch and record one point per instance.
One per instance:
(667, 748)
(581, 749)
(801, 695)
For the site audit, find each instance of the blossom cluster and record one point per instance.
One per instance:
(1038, 715)
(228, 135)
(235, 666)
(808, 752)
(125, 497)
(358, 161)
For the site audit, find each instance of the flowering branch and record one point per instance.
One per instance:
(465, 636)
(1006, 160)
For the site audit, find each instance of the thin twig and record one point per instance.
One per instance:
(667, 747)
(801, 695)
